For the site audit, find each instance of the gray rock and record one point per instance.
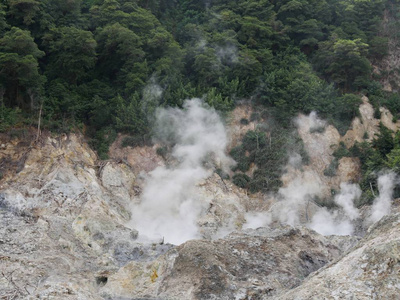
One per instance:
(368, 271)
(251, 263)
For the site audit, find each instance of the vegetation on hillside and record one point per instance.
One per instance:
(106, 65)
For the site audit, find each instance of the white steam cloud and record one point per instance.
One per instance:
(227, 54)
(152, 94)
(297, 207)
(338, 222)
(257, 219)
(345, 199)
(295, 198)
(170, 203)
(330, 223)
(312, 122)
(383, 202)
(297, 204)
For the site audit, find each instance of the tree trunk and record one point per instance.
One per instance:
(40, 118)
(32, 98)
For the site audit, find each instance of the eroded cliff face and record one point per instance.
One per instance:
(320, 145)
(250, 264)
(369, 271)
(60, 223)
(66, 229)
(65, 214)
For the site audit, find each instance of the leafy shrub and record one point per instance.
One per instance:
(330, 171)
(219, 102)
(8, 117)
(269, 151)
(241, 180)
(341, 151)
(238, 153)
(325, 202)
(102, 140)
(255, 116)
(244, 121)
(377, 113)
(254, 140)
(320, 129)
(162, 151)
(222, 174)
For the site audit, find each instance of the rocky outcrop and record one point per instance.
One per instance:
(369, 271)
(366, 128)
(320, 141)
(140, 159)
(62, 217)
(251, 264)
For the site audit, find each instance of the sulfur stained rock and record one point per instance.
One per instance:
(120, 180)
(59, 226)
(63, 235)
(251, 263)
(369, 271)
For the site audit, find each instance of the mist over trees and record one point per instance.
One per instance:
(90, 63)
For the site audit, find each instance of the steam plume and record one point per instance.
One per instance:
(345, 199)
(382, 203)
(170, 203)
(295, 196)
(328, 223)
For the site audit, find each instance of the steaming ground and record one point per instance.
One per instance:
(294, 200)
(340, 221)
(170, 204)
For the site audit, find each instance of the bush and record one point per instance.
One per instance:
(162, 151)
(244, 121)
(377, 113)
(341, 151)
(136, 141)
(8, 117)
(222, 174)
(241, 180)
(102, 141)
(330, 171)
(266, 180)
(242, 161)
(325, 202)
(254, 140)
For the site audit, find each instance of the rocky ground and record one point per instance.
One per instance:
(65, 233)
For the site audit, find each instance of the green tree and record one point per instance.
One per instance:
(130, 116)
(19, 70)
(72, 52)
(119, 50)
(344, 62)
(3, 23)
(23, 11)
(384, 142)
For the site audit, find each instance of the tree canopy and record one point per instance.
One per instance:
(86, 59)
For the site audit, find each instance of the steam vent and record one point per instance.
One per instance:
(199, 150)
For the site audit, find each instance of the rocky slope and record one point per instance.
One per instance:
(369, 271)
(64, 216)
(65, 230)
(251, 264)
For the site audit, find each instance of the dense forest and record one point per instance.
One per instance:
(104, 66)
